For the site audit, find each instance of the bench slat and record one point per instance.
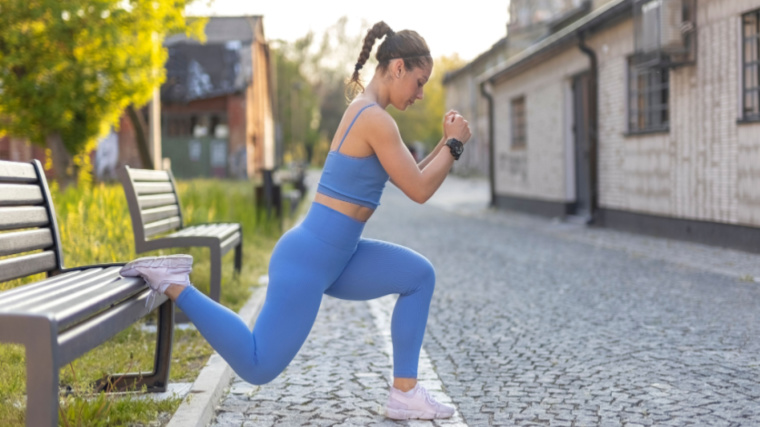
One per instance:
(224, 230)
(230, 242)
(152, 201)
(23, 217)
(207, 230)
(25, 241)
(81, 296)
(13, 268)
(162, 226)
(17, 172)
(57, 290)
(148, 175)
(52, 288)
(230, 229)
(221, 231)
(194, 231)
(155, 214)
(11, 295)
(142, 188)
(187, 231)
(20, 194)
(98, 297)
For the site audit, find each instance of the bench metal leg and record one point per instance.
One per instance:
(215, 285)
(155, 381)
(238, 257)
(41, 375)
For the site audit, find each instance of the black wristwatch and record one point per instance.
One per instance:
(456, 147)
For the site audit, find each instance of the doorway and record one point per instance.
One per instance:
(581, 126)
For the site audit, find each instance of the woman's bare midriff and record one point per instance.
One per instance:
(359, 213)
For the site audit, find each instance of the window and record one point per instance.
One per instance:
(518, 123)
(177, 125)
(751, 66)
(648, 95)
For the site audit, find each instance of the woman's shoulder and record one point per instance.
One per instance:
(370, 112)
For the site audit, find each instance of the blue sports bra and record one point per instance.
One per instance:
(358, 180)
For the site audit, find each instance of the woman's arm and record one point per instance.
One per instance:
(440, 144)
(418, 183)
(424, 162)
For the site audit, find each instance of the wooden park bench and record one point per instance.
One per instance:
(61, 317)
(155, 210)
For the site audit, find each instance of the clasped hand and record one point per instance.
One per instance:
(455, 126)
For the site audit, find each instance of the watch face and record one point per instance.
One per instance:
(456, 147)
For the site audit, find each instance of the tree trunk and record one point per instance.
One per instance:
(62, 160)
(142, 140)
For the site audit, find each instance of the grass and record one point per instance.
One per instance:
(95, 228)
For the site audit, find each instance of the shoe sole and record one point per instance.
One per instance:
(402, 414)
(172, 261)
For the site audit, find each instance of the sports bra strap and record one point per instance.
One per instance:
(352, 124)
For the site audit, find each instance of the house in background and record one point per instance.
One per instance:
(463, 95)
(641, 115)
(529, 22)
(217, 101)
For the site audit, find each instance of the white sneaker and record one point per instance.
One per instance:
(415, 404)
(160, 272)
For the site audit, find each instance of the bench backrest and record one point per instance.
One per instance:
(153, 201)
(29, 238)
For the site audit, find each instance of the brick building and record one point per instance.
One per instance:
(217, 103)
(642, 115)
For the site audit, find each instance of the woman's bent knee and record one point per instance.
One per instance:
(258, 377)
(423, 279)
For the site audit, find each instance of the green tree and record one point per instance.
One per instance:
(297, 103)
(69, 68)
(333, 62)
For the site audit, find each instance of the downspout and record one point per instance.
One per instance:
(491, 150)
(593, 124)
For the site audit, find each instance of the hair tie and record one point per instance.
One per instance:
(358, 66)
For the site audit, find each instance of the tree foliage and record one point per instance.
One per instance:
(296, 102)
(69, 68)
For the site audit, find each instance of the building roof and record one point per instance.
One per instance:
(222, 29)
(220, 66)
(451, 75)
(602, 17)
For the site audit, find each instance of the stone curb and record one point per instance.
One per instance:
(198, 408)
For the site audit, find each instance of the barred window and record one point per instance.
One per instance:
(518, 123)
(751, 66)
(648, 98)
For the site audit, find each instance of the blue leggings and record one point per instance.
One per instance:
(325, 254)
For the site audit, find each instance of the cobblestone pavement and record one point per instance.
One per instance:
(536, 322)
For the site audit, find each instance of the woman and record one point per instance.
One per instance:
(326, 254)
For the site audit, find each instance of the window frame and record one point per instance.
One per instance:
(750, 113)
(518, 118)
(648, 104)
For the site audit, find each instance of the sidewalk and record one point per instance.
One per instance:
(534, 322)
